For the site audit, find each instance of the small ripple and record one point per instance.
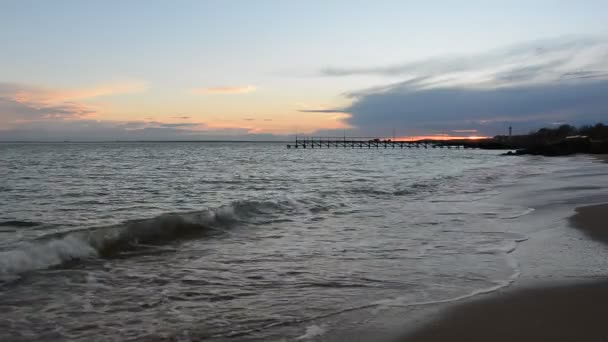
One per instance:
(18, 223)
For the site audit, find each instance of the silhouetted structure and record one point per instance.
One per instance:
(563, 140)
(369, 143)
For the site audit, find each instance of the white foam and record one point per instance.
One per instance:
(506, 249)
(404, 301)
(95, 241)
(511, 261)
(43, 255)
(312, 332)
(518, 215)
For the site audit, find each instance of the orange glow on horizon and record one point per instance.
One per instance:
(440, 137)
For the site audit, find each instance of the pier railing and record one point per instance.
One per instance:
(374, 142)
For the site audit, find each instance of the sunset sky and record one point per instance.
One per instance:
(263, 70)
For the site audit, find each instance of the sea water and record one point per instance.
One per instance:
(236, 241)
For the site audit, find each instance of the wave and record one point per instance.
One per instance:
(109, 241)
(518, 215)
(426, 186)
(369, 191)
(16, 223)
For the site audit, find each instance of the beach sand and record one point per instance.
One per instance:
(593, 221)
(569, 312)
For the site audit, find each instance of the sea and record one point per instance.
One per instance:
(229, 241)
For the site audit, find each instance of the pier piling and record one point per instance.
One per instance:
(373, 142)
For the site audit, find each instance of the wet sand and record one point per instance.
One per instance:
(570, 312)
(593, 220)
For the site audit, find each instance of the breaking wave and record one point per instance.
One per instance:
(57, 249)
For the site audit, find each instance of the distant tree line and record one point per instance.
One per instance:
(562, 140)
(596, 132)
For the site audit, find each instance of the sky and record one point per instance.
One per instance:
(267, 70)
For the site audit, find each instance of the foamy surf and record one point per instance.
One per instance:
(35, 256)
(511, 261)
(57, 249)
(311, 332)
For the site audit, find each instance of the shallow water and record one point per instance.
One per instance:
(232, 241)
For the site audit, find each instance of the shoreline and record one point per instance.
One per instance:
(552, 255)
(569, 311)
(589, 219)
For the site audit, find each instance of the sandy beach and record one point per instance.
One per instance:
(565, 312)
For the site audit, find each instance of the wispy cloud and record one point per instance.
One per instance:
(224, 90)
(335, 110)
(27, 102)
(29, 112)
(310, 108)
(530, 58)
(464, 131)
(44, 95)
(96, 130)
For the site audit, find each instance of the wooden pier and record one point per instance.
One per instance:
(376, 143)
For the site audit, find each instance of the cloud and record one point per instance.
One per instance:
(119, 88)
(20, 102)
(95, 130)
(486, 110)
(45, 96)
(464, 131)
(181, 125)
(224, 90)
(29, 112)
(531, 84)
(547, 53)
(15, 111)
(336, 110)
(310, 108)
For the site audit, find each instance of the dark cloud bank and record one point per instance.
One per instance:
(487, 110)
(529, 86)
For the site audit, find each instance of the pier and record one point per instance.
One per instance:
(376, 143)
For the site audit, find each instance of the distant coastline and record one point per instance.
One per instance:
(137, 141)
(560, 141)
